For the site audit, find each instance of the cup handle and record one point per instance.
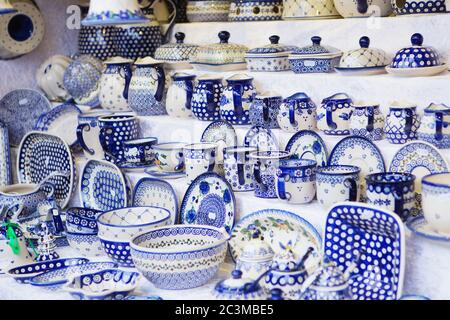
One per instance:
(329, 116)
(257, 172)
(241, 174)
(265, 110)
(370, 119)
(212, 164)
(238, 90)
(281, 186)
(180, 165)
(104, 144)
(439, 117)
(292, 114)
(351, 184)
(398, 202)
(189, 93)
(408, 121)
(126, 74)
(210, 104)
(80, 129)
(161, 83)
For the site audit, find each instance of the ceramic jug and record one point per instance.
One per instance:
(236, 99)
(402, 123)
(238, 168)
(333, 116)
(264, 110)
(88, 132)
(206, 99)
(147, 88)
(297, 112)
(367, 121)
(114, 84)
(435, 127)
(179, 95)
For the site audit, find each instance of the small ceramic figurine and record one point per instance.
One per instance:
(46, 245)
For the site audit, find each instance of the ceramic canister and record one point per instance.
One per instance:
(238, 168)
(199, 158)
(169, 156)
(436, 201)
(236, 99)
(402, 123)
(435, 126)
(296, 180)
(265, 167)
(367, 121)
(337, 184)
(206, 99)
(139, 150)
(297, 112)
(393, 191)
(179, 95)
(333, 116)
(88, 132)
(264, 110)
(114, 129)
(114, 84)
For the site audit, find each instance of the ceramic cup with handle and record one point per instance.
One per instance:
(297, 112)
(139, 150)
(200, 158)
(169, 156)
(88, 132)
(436, 201)
(337, 184)
(238, 168)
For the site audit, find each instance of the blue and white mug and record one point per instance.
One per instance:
(264, 110)
(436, 201)
(179, 95)
(297, 112)
(367, 121)
(139, 150)
(199, 158)
(402, 123)
(206, 99)
(236, 99)
(238, 168)
(333, 116)
(435, 126)
(88, 132)
(169, 156)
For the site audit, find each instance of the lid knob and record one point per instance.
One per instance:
(236, 274)
(364, 42)
(256, 234)
(316, 40)
(274, 39)
(180, 37)
(276, 294)
(416, 39)
(224, 36)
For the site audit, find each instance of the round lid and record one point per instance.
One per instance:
(364, 57)
(416, 56)
(257, 249)
(236, 285)
(179, 37)
(147, 61)
(273, 47)
(329, 275)
(315, 48)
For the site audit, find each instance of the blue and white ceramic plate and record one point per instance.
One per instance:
(103, 186)
(143, 298)
(261, 138)
(278, 226)
(378, 238)
(155, 172)
(307, 144)
(19, 111)
(364, 71)
(42, 155)
(220, 132)
(5, 157)
(209, 200)
(420, 227)
(420, 159)
(156, 192)
(61, 121)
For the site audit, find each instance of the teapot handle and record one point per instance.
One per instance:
(80, 129)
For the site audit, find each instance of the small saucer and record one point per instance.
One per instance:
(155, 172)
(420, 226)
(417, 72)
(134, 166)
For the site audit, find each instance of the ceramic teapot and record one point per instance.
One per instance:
(333, 116)
(435, 127)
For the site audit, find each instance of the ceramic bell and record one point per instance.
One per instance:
(46, 245)
(115, 12)
(238, 288)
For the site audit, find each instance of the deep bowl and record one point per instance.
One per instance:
(179, 257)
(82, 220)
(86, 244)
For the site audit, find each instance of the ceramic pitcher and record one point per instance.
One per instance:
(435, 127)
(88, 132)
(333, 116)
(179, 95)
(147, 88)
(402, 123)
(367, 121)
(297, 112)
(114, 84)
(264, 110)
(199, 158)
(236, 99)
(206, 99)
(238, 168)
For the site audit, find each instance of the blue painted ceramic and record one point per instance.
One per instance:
(367, 121)
(435, 127)
(297, 112)
(238, 168)
(206, 98)
(264, 110)
(416, 56)
(139, 150)
(236, 99)
(418, 6)
(401, 124)
(82, 220)
(97, 41)
(333, 116)
(5, 157)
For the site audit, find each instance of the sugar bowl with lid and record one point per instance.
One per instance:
(239, 288)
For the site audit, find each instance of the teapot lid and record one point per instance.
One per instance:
(274, 48)
(416, 56)
(364, 57)
(317, 49)
(236, 285)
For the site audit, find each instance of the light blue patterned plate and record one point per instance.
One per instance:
(261, 138)
(220, 131)
(307, 144)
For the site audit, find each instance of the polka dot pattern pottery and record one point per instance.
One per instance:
(207, 11)
(378, 237)
(97, 41)
(118, 251)
(135, 42)
(418, 7)
(206, 99)
(307, 9)
(236, 99)
(255, 10)
(5, 157)
(416, 56)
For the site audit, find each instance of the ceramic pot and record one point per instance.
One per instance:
(402, 7)
(139, 150)
(207, 11)
(367, 121)
(88, 132)
(114, 85)
(147, 88)
(337, 184)
(402, 123)
(255, 10)
(333, 116)
(312, 9)
(50, 77)
(179, 95)
(256, 257)
(236, 99)
(297, 112)
(206, 98)
(238, 168)
(264, 110)
(434, 127)
(98, 41)
(169, 157)
(363, 8)
(199, 158)
(435, 198)
(392, 191)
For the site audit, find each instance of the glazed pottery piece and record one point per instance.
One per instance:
(5, 157)
(351, 229)
(88, 133)
(359, 152)
(421, 228)
(199, 158)
(180, 94)
(82, 220)
(307, 144)
(392, 191)
(156, 193)
(8, 258)
(363, 8)
(434, 127)
(139, 150)
(367, 121)
(98, 41)
(147, 88)
(19, 111)
(117, 227)
(402, 123)
(176, 55)
(309, 9)
(314, 58)
(206, 99)
(238, 168)
(109, 284)
(45, 158)
(255, 10)
(207, 11)
(418, 6)
(337, 183)
(435, 191)
(103, 186)
(169, 157)
(264, 110)
(271, 57)
(61, 121)
(6, 7)
(261, 138)
(114, 130)
(236, 99)
(297, 112)
(157, 173)
(86, 244)
(238, 288)
(117, 12)
(50, 76)
(266, 165)
(179, 257)
(296, 180)
(333, 116)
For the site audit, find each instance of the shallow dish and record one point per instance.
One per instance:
(157, 173)
(363, 71)
(307, 144)
(418, 72)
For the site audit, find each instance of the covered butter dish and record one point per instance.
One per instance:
(176, 55)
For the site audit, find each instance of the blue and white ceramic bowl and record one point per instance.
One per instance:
(82, 220)
(179, 257)
(86, 244)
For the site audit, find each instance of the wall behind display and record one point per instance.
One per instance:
(20, 73)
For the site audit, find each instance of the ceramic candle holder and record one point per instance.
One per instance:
(436, 200)
(169, 157)
(200, 158)
(139, 150)
(238, 168)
